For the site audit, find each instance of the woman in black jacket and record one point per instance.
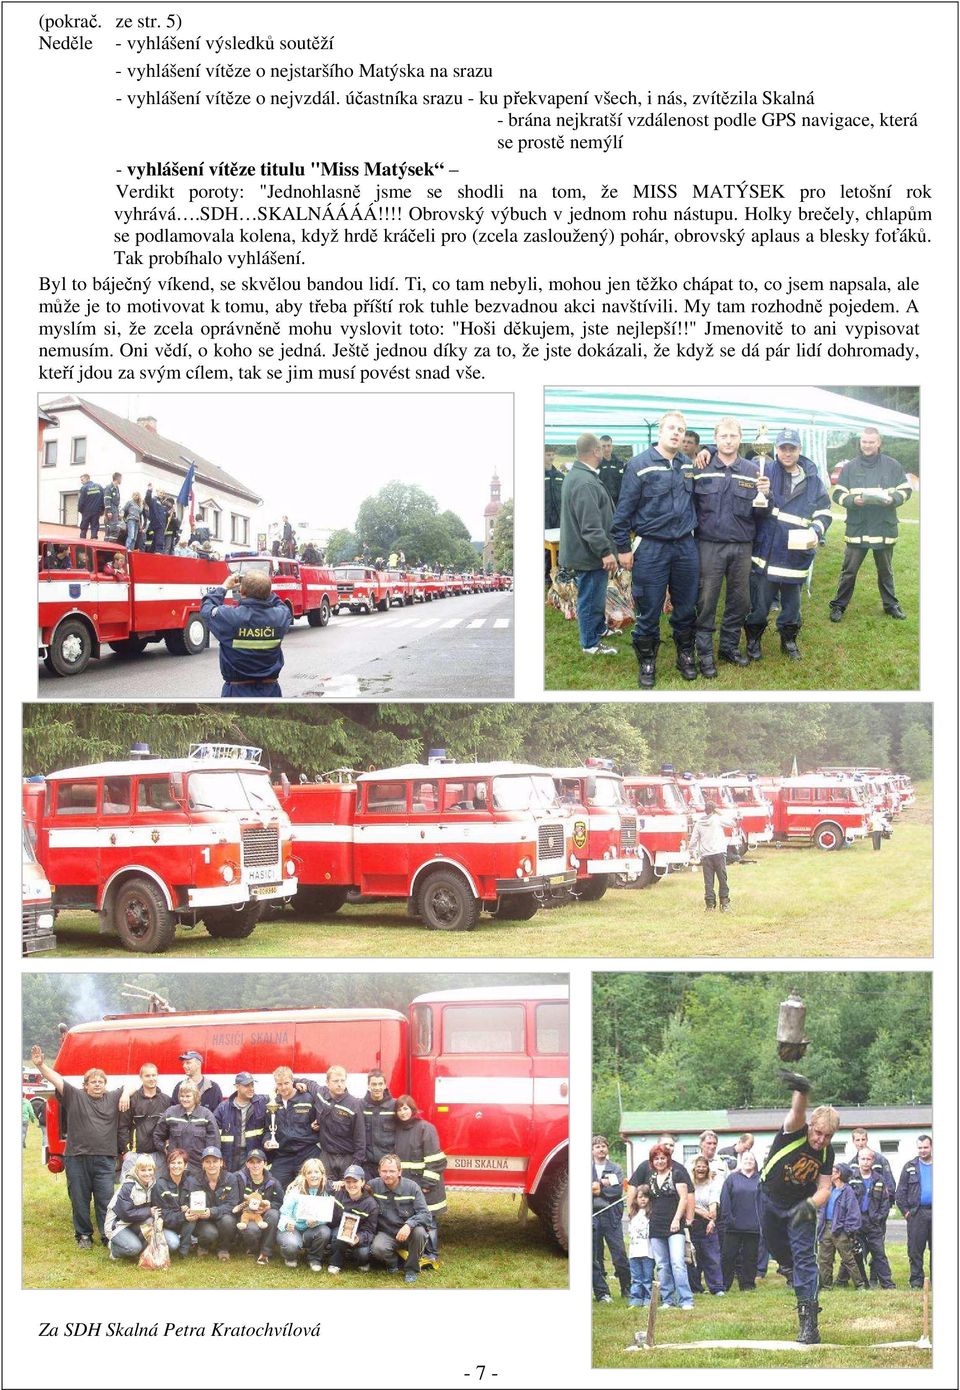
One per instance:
(423, 1160)
(174, 1193)
(740, 1218)
(353, 1200)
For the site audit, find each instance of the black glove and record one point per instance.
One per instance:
(794, 1081)
(802, 1212)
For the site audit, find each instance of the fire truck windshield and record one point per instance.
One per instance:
(609, 792)
(524, 793)
(672, 799)
(230, 791)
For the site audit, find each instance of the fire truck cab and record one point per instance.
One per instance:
(825, 811)
(663, 826)
(695, 792)
(489, 1067)
(607, 844)
(36, 904)
(151, 842)
(309, 591)
(754, 810)
(361, 589)
(94, 594)
(453, 839)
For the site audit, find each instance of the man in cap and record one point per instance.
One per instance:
(788, 532)
(250, 632)
(216, 1223)
(209, 1092)
(241, 1120)
(870, 487)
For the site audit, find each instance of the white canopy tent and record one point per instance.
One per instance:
(630, 416)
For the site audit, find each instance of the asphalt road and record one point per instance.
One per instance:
(455, 648)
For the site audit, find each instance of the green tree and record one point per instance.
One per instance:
(341, 547)
(503, 540)
(396, 511)
(916, 752)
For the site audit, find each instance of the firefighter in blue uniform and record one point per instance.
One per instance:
(656, 506)
(870, 1188)
(795, 1183)
(89, 507)
(798, 502)
(250, 632)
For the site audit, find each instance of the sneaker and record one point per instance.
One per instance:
(333, 1269)
(316, 1266)
(599, 650)
(411, 1276)
(85, 1243)
(291, 1264)
(610, 632)
(605, 1299)
(263, 1259)
(724, 907)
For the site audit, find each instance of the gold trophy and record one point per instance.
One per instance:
(272, 1107)
(763, 448)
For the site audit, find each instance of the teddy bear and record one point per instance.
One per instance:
(254, 1205)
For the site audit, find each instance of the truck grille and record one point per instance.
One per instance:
(260, 846)
(550, 842)
(33, 936)
(628, 832)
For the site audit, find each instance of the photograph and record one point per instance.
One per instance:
(717, 534)
(764, 1139)
(479, 830)
(290, 1131)
(350, 513)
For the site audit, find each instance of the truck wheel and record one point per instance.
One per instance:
(646, 877)
(445, 903)
(319, 900)
(71, 648)
(554, 1208)
(191, 640)
(518, 907)
(141, 917)
(319, 617)
(592, 889)
(133, 646)
(233, 923)
(383, 604)
(828, 836)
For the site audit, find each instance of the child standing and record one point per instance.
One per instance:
(640, 1256)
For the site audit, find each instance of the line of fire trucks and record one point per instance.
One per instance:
(212, 838)
(95, 595)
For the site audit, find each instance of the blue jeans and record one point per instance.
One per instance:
(591, 605)
(89, 1177)
(133, 527)
(765, 593)
(311, 1242)
(641, 1280)
(128, 1244)
(657, 566)
(794, 1247)
(670, 1256)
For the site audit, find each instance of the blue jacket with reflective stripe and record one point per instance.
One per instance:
(236, 1138)
(809, 505)
(249, 632)
(656, 499)
(723, 498)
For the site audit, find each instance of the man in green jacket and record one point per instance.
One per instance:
(870, 487)
(585, 543)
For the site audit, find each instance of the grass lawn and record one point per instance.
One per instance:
(867, 651)
(482, 1246)
(852, 1319)
(789, 902)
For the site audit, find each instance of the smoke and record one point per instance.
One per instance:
(89, 1000)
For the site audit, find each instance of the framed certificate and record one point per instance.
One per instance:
(347, 1230)
(198, 1201)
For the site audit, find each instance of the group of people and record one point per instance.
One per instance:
(153, 522)
(312, 1171)
(703, 1227)
(693, 521)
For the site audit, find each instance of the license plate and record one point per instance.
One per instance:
(265, 890)
(557, 878)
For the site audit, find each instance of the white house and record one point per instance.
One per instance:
(77, 437)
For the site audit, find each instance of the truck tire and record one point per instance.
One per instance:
(445, 902)
(71, 648)
(518, 907)
(190, 640)
(553, 1207)
(592, 889)
(319, 617)
(133, 646)
(233, 924)
(141, 917)
(646, 877)
(383, 604)
(828, 836)
(319, 900)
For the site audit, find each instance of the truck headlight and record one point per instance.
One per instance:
(527, 866)
(227, 873)
(45, 921)
(574, 862)
(290, 867)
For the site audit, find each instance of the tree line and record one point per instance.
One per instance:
(313, 738)
(677, 1041)
(403, 517)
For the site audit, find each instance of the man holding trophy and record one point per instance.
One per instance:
(291, 1128)
(796, 1178)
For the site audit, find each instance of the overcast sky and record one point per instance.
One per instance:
(316, 457)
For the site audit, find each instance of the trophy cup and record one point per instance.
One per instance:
(762, 449)
(272, 1107)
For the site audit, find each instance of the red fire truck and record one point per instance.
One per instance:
(361, 589)
(825, 811)
(94, 594)
(663, 826)
(36, 905)
(609, 846)
(755, 811)
(309, 591)
(151, 842)
(489, 1067)
(453, 839)
(737, 812)
(693, 793)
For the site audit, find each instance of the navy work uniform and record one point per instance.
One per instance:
(915, 1200)
(249, 632)
(342, 1134)
(873, 1199)
(608, 1227)
(870, 490)
(723, 496)
(656, 505)
(90, 508)
(789, 1177)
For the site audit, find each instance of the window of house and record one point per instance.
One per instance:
(239, 529)
(50, 453)
(208, 514)
(889, 1146)
(78, 451)
(483, 1028)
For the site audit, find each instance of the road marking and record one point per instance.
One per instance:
(501, 622)
(452, 622)
(477, 622)
(429, 622)
(406, 622)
